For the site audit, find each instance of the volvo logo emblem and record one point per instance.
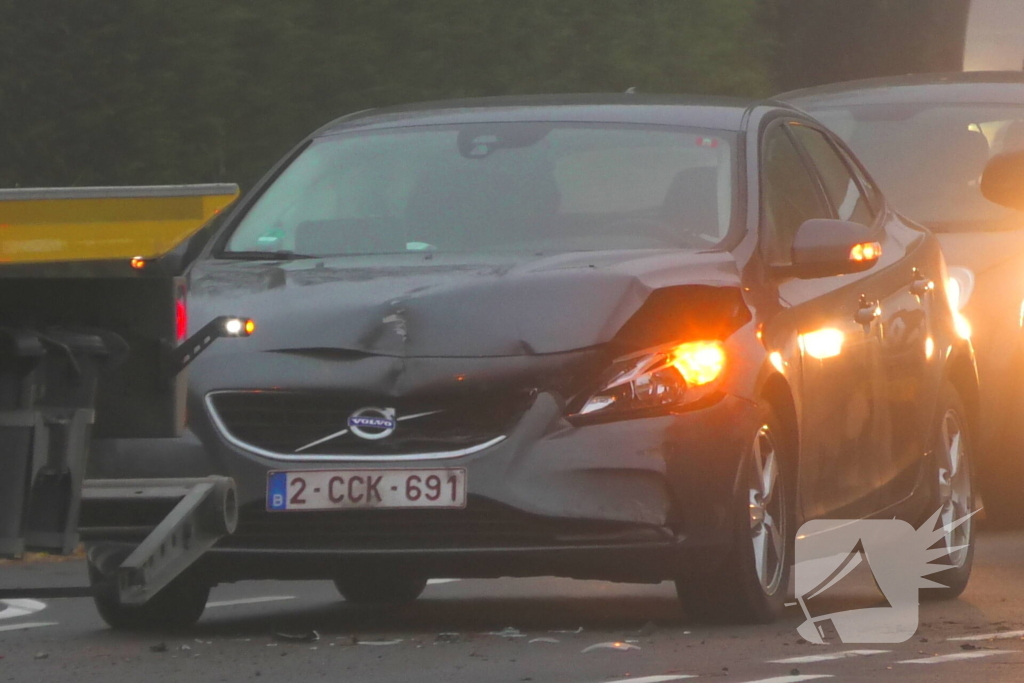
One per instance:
(373, 423)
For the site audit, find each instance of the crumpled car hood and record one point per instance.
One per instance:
(446, 305)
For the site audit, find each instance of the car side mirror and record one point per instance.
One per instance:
(825, 247)
(1003, 180)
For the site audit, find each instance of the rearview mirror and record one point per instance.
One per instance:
(1003, 180)
(824, 247)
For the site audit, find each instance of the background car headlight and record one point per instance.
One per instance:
(658, 378)
(959, 287)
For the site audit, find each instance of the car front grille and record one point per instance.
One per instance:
(311, 424)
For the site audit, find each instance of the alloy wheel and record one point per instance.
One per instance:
(955, 488)
(767, 512)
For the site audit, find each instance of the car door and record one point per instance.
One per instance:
(840, 364)
(898, 284)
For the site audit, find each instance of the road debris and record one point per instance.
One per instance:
(396, 641)
(968, 647)
(41, 655)
(450, 637)
(159, 647)
(508, 632)
(347, 640)
(617, 645)
(308, 637)
(544, 640)
(576, 632)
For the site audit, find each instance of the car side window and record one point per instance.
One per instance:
(843, 190)
(790, 195)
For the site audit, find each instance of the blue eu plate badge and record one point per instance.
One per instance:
(277, 491)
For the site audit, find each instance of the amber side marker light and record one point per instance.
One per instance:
(822, 344)
(138, 263)
(866, 252)
(239, 327)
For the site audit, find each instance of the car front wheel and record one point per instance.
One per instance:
(751, 584)
(954, 486)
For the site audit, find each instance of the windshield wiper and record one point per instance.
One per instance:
(279, 255)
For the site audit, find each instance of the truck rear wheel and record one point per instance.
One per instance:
(178, 606)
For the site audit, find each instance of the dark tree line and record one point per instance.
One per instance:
(169, 91)
(824, 41)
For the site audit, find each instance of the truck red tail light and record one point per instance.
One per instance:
(181, 319)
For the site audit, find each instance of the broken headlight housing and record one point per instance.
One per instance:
(657, 379)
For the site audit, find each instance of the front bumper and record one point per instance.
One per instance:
(619, 500)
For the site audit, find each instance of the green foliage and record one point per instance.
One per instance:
(172, 91)
(825, 41)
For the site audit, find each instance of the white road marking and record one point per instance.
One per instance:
(942, 659)
(249, 601)
(20, 608)
(27, 625)
(992, 636)
(829, 657)
(652, 679)
(792, 679)
(437, 582)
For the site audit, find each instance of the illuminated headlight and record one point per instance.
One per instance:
(959, 287)
(239, 327)
(658, 378)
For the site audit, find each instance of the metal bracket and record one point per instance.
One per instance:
(207, 511)
(178, 357)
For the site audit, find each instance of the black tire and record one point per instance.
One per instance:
(380, 588)
(1001, 473)
(733, 591)
(954, 580)
(178, 606)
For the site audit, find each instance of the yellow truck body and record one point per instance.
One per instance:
(104, 223)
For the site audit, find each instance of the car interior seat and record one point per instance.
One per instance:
(691, 204)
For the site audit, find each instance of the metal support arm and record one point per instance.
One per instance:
(207, 511)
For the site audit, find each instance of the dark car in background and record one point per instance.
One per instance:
(927, 140)
(622, 338)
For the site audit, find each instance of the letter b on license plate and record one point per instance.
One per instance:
(364, 489)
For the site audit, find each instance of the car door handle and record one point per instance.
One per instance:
(868, 313)
(921, 286)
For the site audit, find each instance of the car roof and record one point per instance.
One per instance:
(994, 87)
(720, 113)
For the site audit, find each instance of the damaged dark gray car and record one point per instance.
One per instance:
(620, 338)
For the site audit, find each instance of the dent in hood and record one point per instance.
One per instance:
(458, 306)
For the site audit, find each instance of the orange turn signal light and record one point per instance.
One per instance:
(138, 263)
(866, 252)
(699, 362)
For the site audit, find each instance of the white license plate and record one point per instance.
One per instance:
(366, 489)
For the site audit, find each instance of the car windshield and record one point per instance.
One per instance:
(491, 187)
(928, 158)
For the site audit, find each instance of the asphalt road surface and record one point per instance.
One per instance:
(510, 630)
